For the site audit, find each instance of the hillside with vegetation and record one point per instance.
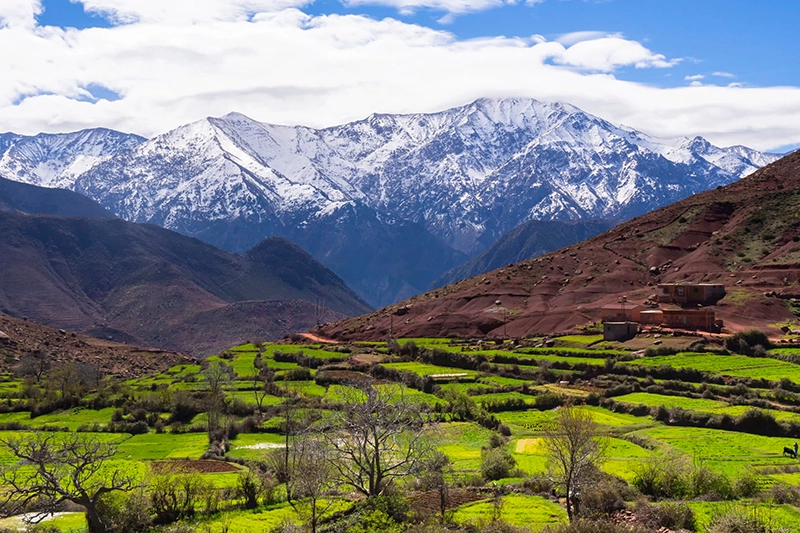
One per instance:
(670, 433)
(745, 235)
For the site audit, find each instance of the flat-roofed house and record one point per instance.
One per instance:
(690, 293)
(621, 312)
(702, 319)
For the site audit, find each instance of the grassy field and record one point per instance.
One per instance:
(630, 440)
(533, 512)
(727, 365)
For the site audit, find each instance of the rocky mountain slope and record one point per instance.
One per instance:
(528, 240)
(745, 235)
(20, 337)
(146, 285)
(428, 186)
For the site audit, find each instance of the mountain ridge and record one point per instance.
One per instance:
(745, 235)
(464, 176)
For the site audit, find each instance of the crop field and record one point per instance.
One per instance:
(516, 509)
(424, 370)
(727, 365)
(700, 405)
(467, 412)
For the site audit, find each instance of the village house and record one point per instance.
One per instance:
(622, 312)
(699, 319)
(690, 293)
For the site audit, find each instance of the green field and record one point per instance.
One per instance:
(494, 399)
(727, 365)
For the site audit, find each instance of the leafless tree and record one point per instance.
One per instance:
(435, 472)
(34, 364)
(217, 374)
(378, 436)
(575, 448)
(311, 478)
(53, 469)
(263, 382)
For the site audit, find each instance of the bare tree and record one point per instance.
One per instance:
(576, 448)
(263, 382)
(311, 477)
(34, 364)
(378, 435)
(435, 472)
(56, 469)
(217, 374)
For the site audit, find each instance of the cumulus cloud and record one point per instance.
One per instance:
(184, 11)
(694, 77)
(721, 74)
(284, 66)
(607, 54)
(19, 13)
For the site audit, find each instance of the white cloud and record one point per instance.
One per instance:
(288, 67)
(607, 54)
(694, 77)
(720, 74)
(452, 7)
(19, 13)
(575, 37)
(184, 11)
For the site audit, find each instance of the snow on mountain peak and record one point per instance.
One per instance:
(465, 173)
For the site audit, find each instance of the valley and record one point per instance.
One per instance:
(692, 409)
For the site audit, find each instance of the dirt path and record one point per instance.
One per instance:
(314, 338)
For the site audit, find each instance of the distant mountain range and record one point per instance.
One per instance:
(390, 202)
(745, 235)
(149, 286)
(528, 240)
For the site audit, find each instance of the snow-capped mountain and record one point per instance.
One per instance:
(421, 185)
(57, 160)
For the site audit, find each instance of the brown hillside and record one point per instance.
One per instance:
(745, 235)
(22, 336)
(145, 285)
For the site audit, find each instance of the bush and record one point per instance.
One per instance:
(669, 515)
(497, 463)
(746, 486)
(174, 496)
(745, 342)
(593, 526)
(125, 513)
(739, 519)
(602, 498)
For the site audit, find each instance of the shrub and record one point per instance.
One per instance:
(745, 342)
(593, 526)
(746, 486)
(668, 515)
(497, 463)
(125, 513)
(739, 519)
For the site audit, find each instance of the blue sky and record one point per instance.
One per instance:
(722, 69)
(756, 42)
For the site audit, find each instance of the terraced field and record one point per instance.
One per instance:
(498, 390)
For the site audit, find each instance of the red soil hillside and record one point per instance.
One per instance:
(745, 235)
(20, 336)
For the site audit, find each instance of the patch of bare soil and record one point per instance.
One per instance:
(427, 503)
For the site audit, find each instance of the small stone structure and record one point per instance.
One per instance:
(619, 331)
